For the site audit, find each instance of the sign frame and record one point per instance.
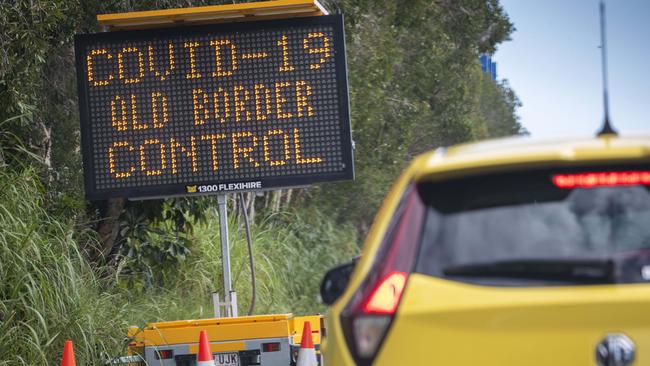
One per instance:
(179, 189)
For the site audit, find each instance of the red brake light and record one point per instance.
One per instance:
(601, 179)
(271, 347)
(385, 298)
(164, 354)
(369, 314)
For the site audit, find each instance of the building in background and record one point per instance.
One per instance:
(488, 66)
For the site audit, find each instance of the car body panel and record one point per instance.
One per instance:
(448, 322)
(495, 156)
(525, 153)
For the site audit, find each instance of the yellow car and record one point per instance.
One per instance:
(508, 252)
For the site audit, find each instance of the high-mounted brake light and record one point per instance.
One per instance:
(601, 179)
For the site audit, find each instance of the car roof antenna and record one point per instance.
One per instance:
(607, 126)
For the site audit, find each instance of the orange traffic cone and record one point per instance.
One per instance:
(204, 357)
(68, 354)
(307, 353)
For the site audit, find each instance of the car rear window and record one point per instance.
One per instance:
(543, 227)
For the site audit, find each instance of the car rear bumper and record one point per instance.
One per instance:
(443, 322)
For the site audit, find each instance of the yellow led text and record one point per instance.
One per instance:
(91, 72)
(267, 150)
(130, 79)
(243, 151)
(174, 146)
(124, 112)
(259, 103)
(133, 63)
(213, 147)
(170, 68)
(241, 96)
(262, 99)
(220, 70)
(117, 146)
(284, 46)
(154, 157)
(191, 46)
(325, 51)
(299, 158)
(280, 100)
(143, 159)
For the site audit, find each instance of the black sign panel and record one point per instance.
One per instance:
(215, 108)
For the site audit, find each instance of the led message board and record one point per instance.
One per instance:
(214, 108)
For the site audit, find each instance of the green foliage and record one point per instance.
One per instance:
(30, 30)
(292, 251)
(415, 84)
(156, 235)
(49, 292)
(498, 105)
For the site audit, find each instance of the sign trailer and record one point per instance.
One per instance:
(216, 108)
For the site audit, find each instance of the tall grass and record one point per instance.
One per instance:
(49, 292)
(292, 251)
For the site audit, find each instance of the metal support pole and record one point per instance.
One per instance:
(216, 304)
(225, 256)
(233, 304)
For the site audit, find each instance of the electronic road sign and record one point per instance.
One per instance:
(214, 108)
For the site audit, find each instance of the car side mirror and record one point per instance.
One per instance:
(335, 282)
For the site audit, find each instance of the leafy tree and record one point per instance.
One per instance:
(30, 31)
(415, 84)
(498, 104)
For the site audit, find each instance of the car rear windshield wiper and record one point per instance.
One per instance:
(573, 270)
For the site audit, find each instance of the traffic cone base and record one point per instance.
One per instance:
(307, 353)
(307, 357)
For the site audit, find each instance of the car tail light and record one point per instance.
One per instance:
(601, 179)
(369, 332)
(369, 314)
(385, 298)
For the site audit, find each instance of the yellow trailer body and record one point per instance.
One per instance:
(241, 341)
(263, 10)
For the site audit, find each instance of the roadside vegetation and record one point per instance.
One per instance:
(87, 270)
(51, 292)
